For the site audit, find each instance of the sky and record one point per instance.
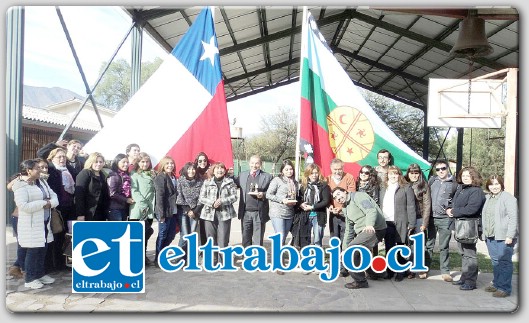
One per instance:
(96, 33)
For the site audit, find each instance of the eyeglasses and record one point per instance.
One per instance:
(440, 168)
(364, 172)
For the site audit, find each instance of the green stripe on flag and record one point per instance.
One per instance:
(312, 90)
(400, 158)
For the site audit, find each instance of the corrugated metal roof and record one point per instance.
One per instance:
(390, 51)
(45, 116)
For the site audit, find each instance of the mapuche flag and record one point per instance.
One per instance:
(180, 110)
(335, 120)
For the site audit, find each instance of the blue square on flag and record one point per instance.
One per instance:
(108, 257)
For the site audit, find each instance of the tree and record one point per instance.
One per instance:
(114, 89)
(405, 121)
(483, 149)
(278, 137)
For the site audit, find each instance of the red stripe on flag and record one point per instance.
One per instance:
(319, 138)
(306, 119)
(323, 155)
(352, 168)
(209, 133)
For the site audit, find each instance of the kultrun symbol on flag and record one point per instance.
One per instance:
(350, 134)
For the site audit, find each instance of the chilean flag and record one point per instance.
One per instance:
(180, 110)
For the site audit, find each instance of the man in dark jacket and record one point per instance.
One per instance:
(365, 225)
(253, 205)
(442, 189)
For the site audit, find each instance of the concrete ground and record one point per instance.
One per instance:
(258, 292)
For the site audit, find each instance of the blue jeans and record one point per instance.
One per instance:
(187, 226)
(35, 263)
(441, 226)
(282, 226)
(117, 215)
(21, 252)
(501, 257)
(317, 231)
(166, 233)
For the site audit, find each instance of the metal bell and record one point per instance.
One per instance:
(471, 41)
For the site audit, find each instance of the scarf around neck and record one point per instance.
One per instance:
(67, 179)
(312, 193)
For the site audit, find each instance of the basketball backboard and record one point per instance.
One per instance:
(448, 103)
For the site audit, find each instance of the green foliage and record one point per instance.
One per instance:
(114, 89)
(483, 149)
(406, 122)
(278, 138)
(484, 263)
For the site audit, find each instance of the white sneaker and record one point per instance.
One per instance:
(36, 284)
(46, 279)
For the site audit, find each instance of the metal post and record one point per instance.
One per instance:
(137, 40)
(511, 133)
(459, 164)
(14, 79)
(426, 137)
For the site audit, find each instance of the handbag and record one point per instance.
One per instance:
(67, 245)
(56, 221)
(467, 230)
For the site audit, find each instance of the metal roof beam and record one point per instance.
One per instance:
(292, 37)
(261, 16)
(281, 34)
(263, 89)
(154, 13)
(262, 70)
(378, 65)
(232, 35)
(419, 38)
(445, 33)
(391, 96)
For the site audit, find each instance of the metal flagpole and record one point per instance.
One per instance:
(298, 134)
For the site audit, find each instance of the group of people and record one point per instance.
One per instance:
(384, 205)
(380, 204)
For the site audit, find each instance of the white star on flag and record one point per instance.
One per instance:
(210, 50)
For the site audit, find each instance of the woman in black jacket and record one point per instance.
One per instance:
(316, 196)
(91, 194)
(62, 183)
(467, 202)
(166, 209)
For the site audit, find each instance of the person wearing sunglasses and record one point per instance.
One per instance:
(442, 188)
(367, 181)
(423, 207)
(202, 164)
